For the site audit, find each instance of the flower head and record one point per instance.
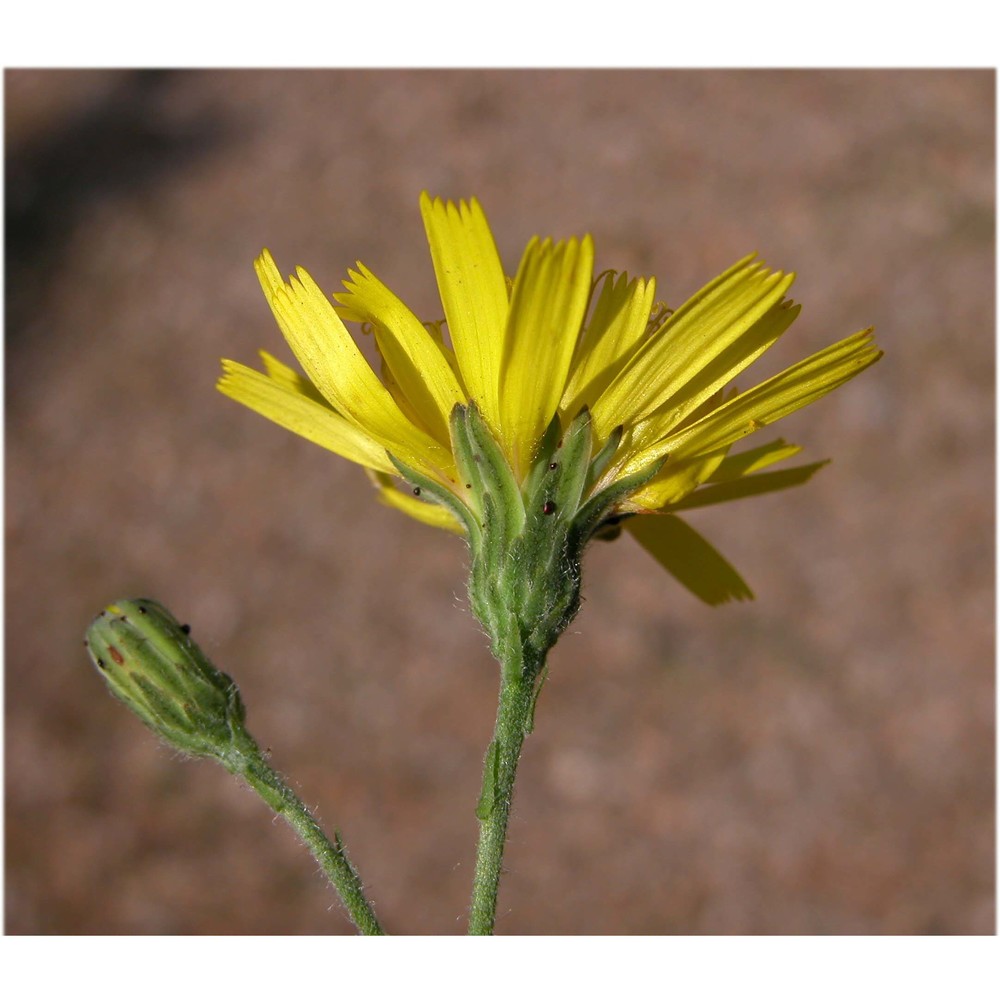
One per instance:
(527, 359)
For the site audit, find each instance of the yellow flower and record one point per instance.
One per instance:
(547, 344)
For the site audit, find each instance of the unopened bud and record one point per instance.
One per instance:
(151, 663)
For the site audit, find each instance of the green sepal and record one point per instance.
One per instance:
(491, 767)
(602, 504)
(562, 487)
(440, 495)
(603, 458)
(495, 544)
(468, 468)
(544, 455)
(160, 710)
(481, 460)
(487, 575)
(151, 664)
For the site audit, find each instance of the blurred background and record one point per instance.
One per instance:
(820, 760)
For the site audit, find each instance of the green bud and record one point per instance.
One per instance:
(151, 663)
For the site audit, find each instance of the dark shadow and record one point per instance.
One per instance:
(116, 146)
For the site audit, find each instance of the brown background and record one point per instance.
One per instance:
(818, 761)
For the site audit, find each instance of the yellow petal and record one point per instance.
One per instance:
(429, 513)
(268, 274)
(786, 392)
(389, 381)
(618, 322)
(753, 460)
(718, 371)
(291, 379)
(434, 329)
(748, 486)
(411, 354)
(298, 412)
(474, 294)
(691, 340)
(680, 550)
(547, 306)
(675, 481)
(337, 368)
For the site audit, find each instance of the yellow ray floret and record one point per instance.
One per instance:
(688, 557)
(474, 293)
(417, 363)
(717, 324)
(546, 311)
(336, 366)
(298, 412)
(779, 396)
(618, 321)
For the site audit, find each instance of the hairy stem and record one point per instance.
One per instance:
(332, 857)
(514, 719)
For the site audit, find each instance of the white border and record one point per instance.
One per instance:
(723, 33)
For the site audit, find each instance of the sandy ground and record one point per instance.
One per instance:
(817, 761)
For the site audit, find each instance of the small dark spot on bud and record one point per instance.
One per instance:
(416, 491)
(87, 644)
(186, 629)
(100, 663)
(548, 507)
(560, 443)
(142, 610)
(553, 465)
(116, 656)
(468, 486)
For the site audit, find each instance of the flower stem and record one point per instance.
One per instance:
(332, 857)
(518, 691)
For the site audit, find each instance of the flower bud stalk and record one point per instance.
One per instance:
(150, 663)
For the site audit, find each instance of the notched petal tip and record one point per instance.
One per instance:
(265, 259)
(267, 274)
(306, 279)
(436, 209)
(230, 371)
